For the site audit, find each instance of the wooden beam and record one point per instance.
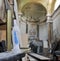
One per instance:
(2, 23)
(39, 57)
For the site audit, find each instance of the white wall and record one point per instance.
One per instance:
(43, 34)
(56, 23)
(23, 27)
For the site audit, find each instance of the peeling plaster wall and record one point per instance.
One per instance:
(23, 27)
(2, 10)
(43, 34)
(21, 3)
(31, 27)
(56, 23)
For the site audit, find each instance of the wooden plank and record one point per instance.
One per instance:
(2, 35)
(2, 27)
(32, 59)
(40, 57)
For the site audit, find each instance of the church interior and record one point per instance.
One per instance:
(29, 30)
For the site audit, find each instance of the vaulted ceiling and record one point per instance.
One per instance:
(46, 3)
(36, 9)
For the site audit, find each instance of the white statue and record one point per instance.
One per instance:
(15, 37)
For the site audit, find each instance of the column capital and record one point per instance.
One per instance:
(49, 19)
(48, 15)
(20, 13)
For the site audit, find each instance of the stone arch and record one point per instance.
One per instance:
(21, 3)
(34, 10)
(37, 3)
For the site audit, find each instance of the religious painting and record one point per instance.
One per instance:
(33, 31)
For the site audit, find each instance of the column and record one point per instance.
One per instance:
(26, 27)
(38, 30)
(50, 10)
(8, 18)
(50, 30)
(11, 2)
(9, 30)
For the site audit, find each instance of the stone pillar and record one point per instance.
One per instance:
(26, 27)
(50, 30)
(11, 2)
(9, 30)
(38, 30)
(16, 11)
(9, 24)
(50, 10)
